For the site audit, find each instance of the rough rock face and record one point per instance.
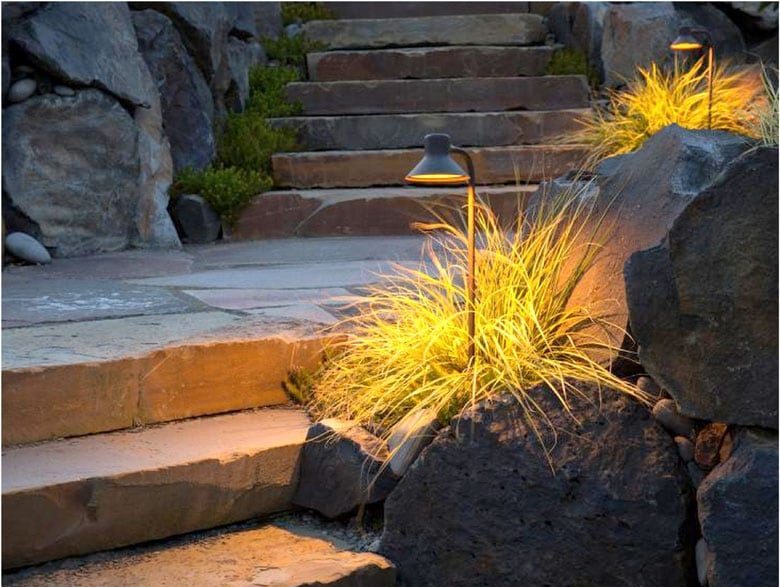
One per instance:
(481, 506)
(339, 467)
(637, 34)
(186, 102)
(242, 56)
(72, 165)
(738, 514)
(580, 25)
(105, 56)
(703, 305)
(641, 194)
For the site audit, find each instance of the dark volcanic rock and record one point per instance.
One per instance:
(187, 105)
(197, 219)
(71, 165)
(703, 305)
(87, 43)
(481, 506)
(738, 514)
(339, 467)
(640, 195)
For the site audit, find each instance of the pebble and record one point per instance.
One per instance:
(26, 248)
(684, 447)
(648, 385)
(665, 412)
(21, 90)
(708, 443)
(696, 474)
(64, 91)
(702, 560)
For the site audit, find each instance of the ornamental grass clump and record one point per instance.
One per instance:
(408, 348)
(767, 120)
(658, 98)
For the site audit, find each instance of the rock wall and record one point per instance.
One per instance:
(104, 102)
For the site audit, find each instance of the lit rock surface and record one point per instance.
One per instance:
(481, 505)
(428, 63)
(737, 504)
(486, 29)
(69, 497)
(703, 304)
(277, 555)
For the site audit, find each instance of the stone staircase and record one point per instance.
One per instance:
(380, 85)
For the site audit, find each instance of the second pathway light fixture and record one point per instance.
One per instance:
(692, 39)
(438, 168)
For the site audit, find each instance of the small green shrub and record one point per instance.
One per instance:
(266, 91)
(290, 50)
(305, 11)
(571, 62)
(248, 142)
(227, 189)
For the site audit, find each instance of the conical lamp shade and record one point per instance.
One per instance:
(685, 41)
(436, 166)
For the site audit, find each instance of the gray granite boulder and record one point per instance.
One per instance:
(342, 467)
(737, 504)
(196, 219)
(186, 102)
(481, 505)
(71, 165)
(703, 305)
(268, 19)
(242, 56)
(86, 43)
(580, 25)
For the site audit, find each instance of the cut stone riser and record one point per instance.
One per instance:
(428, 63)
(494, 165)
(479, 29)
(399, 131)
(490, 94)
(364, 212)
(46, 402)
(348, 10)
(71, 497)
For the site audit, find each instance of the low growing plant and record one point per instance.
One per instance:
(408, 348)
(248, 141)
(290, 50)
(767, 121)
(227, 189)
(658, 98)
(293, 12)
(570, 61)
(266, 91)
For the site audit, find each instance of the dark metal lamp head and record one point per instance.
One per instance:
(690, 39)
(436, 166)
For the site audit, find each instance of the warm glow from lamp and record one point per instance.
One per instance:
(686, 41)
(437, 178)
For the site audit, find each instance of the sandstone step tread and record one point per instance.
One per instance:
(399, 131)
(429, 63)
(478, 29)
(78, 378)
(494, 165)
(488, 94)
(361, 211)
(81, 495)
(274, 555)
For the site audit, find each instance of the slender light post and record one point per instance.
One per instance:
(438, 168)
(690, 39)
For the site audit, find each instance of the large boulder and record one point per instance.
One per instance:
(580, 25)
(186, 102)
(639, 196)
(703, 305)
(86, 43)
(242, 56)
(638, 34)
(737, 504)
(481, 505)
(71, 164)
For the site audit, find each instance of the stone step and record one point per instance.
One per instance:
(279, 554)
(407, 9)
(489, 94)
(494, 165)
(82, 495)
(477, 29)
(400, 131)
(71, 379)
(362, 211)
(284, 553)
(429, 63)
